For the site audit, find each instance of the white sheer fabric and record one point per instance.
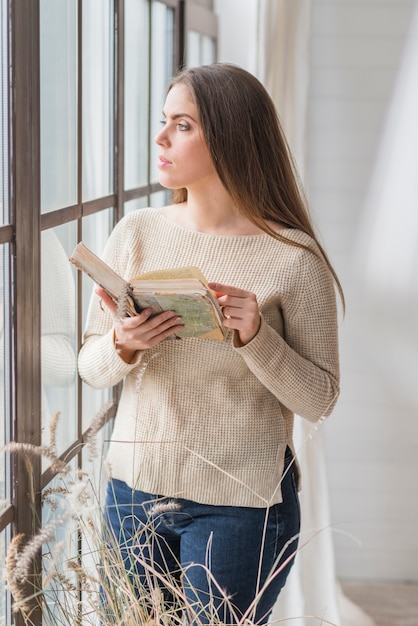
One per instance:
(312, 592)
(282, 64)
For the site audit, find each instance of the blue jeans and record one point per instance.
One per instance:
(243, 548)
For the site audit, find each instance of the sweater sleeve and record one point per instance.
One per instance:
(301, 368)
(99, 364)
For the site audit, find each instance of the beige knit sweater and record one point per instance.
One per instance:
(207, 420)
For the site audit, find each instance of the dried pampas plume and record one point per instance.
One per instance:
(97, 423)
(13, 575)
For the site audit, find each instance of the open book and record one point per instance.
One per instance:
(183, 290)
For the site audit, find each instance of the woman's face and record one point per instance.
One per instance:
(184, 159)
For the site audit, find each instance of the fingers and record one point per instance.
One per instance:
(142, 331)
(106, 300)
(240, 310)
(234, 302)
(229, 290)
(226, 315)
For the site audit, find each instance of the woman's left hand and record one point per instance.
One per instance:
(240, 310)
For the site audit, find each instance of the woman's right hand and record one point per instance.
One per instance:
(141, 331)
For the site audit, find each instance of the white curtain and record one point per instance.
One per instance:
(282, 64)
(312, 592)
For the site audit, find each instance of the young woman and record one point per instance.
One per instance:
(208, 424)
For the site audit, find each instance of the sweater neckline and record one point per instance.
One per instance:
(202, 234)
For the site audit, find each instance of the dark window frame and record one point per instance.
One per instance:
(23, 233)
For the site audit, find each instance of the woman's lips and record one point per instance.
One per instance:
(163, 162)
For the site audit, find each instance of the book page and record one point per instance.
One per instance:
(169, 285)
(171, 273)
(196, 313)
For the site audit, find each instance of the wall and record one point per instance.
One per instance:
(236, 31)
(372, 438)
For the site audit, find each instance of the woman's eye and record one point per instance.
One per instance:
(181, 125)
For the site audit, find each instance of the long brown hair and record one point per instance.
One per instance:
(249, 149)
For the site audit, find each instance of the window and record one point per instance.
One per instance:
(201, 28)
(81, 93)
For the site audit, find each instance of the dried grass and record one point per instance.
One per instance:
(84, 577)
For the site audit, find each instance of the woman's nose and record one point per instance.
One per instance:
(161, 137)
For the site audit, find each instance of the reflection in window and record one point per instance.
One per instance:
(58, 336)
(58, 61)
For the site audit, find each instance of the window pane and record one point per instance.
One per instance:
(162, 69)
(160, 198)
(58, 339)
(136, 92)
(208, 50)
(5, 369)
(193, 49)
(5, 614)
(200, 49)
(5, 413)
(5, 347)
(72, 508)
(60, 547)
(137, 203)
(92, 538)
(58, 58)
(98, 90)
(96, 230)
(4, 178)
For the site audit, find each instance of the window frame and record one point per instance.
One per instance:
(23, 232)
